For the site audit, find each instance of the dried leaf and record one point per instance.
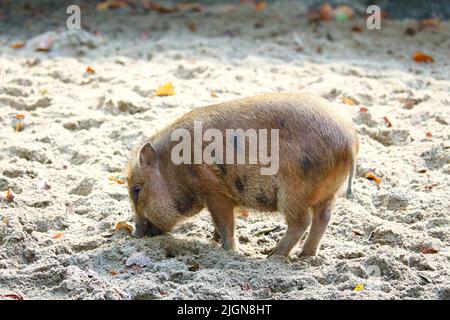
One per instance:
(356, 29)
(214, 94)
(428, 134)
(373, 177)
(363, 109)
(116, 180)
(428, 250)
(192, 27)
(19, 126)
(17, 45)
(114, 272)
(184, 7)
(243, 213)
(45, 45)
(260, 6)
(359, 287)
(430, 186)
(387, 122)
(166, 90)
(409, 103)
(326, 12)
(9, 196)
(420, 57)
(161, 9)
(20, 116)
(90, 70)
(15, 296)
(348, 101)
(431, 22)
(124, 225)
(5, 220)
(357, 233)
(246, 286)
(194, 267)
(113, 4)
(58, 235)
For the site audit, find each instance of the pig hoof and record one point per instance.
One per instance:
(306, 254)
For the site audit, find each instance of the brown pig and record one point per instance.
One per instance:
(312, 151)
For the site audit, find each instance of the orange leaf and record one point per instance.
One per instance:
(348, 101)
(114, 272)
(356, 29)
(116, 180)
(90, 70)
(114, 4)
(363, 109)
(58, 235)
(20, 116)
(427, 250)
(243, 213)
(260, 5)
(166, 90)
(161, 9)
(9, 196)
(17, 45)
(432, 22)
(214, 94)
(326, 12)
(373, 177)
(388, 122)
(420, 57)
(124, 225)
(429, 134)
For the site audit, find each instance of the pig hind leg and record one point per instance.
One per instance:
(297, 221)
(222, 213)
(320, 220)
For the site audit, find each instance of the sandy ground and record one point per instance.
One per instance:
(57, 237)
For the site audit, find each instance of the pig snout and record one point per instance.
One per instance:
(144, 227)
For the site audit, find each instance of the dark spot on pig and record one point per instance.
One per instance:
(223, 169)
(240, 184)
(266, 201)
(191, 171)
(306, 164)
(184, 203)
(262, 199)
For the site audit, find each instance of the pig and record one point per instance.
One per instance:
(317, 151)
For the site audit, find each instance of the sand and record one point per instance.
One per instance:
(57, 237)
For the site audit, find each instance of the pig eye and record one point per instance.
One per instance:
(135, 192)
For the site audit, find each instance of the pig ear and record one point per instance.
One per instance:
(147, 155)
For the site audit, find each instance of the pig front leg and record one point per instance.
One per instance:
(222, 213)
